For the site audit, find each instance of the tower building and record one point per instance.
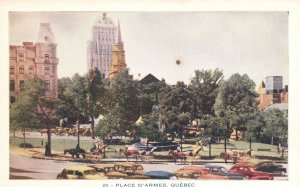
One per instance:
(99, 51)
(118, 56)
(29, 60)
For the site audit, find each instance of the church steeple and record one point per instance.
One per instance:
(118, 56)
(119, 39)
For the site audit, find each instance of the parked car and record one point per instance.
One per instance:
(250, 173)
(271, 167)
(80, 172)
(109, 171)
(129, 168)
(222, 171)
(187, 174)
(160, 175)
(202, 173)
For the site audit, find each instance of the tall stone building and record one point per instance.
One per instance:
(118, 56)
(30, 60)
(99, 52)
(272, 92)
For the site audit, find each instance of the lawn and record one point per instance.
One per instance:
(112, 150)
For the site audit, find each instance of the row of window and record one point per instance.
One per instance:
(12, 85)
(21, 57)
(31, 70)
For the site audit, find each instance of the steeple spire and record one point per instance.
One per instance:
(119, 39)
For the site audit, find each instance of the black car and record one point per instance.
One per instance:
(220, 170)
(160, 175)
(271, 167)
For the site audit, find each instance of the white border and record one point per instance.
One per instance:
(154, 5)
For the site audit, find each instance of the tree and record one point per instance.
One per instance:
(94, 96)
(276, 124)
(236, 102)
(34, 107)
(122, 107)
(175, 101)
(204, 90)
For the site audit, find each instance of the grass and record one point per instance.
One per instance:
(111, 152)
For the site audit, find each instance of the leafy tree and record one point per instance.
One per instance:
(33, 107)
(94, 96)
(276, 124)
(122, 107)
(148, 128)
(174, 101)
(236, 103)
(204, 90)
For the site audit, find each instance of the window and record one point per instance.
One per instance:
(21, 85)
(12, 70)
(12, 85)
(47, 69)
(21, 69)
(47, 82)
(21, 56)
(31, 70)
(46, 57)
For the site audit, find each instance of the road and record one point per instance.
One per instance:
(26, 167)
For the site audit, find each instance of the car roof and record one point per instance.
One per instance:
(79, 168)
(193, 168)
(101, 165)
(185, 171)
(158, 174)
(213, 166)
(127, 164)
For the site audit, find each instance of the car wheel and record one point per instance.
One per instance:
(247, 177)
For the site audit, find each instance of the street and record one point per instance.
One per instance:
(26, 167)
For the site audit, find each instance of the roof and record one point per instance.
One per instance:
(101, 165)
(149, 79)
(280, 106)
(130, 164)
(158, 174)
(79, 168)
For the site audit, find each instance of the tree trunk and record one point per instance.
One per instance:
(48, 148)
(209, 147)
(93, 127)
(250, 141)
(24, 146)
(236, 135)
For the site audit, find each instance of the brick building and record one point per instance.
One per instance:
(34, 59)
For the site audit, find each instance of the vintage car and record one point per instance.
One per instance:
(80, 172)
(222, 171)
(129, 168)
(160, 146)
(187, 174)
(271, 167)
(201, 173)
(109, 171)
(250, 173)
(160, 175)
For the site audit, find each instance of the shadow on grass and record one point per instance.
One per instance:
(269, 158)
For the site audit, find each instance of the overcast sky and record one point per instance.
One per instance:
(255, 43)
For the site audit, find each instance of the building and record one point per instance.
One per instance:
(272, 92)
(99, 51)
(29, 60)
(118, 56)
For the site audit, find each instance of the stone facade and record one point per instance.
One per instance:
(269, 97)
(29, 60)
(99, 52)
(118, 56)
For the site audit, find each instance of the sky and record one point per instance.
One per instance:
(255, 43)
